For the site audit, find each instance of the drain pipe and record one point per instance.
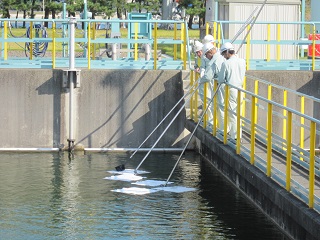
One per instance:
(71, 139)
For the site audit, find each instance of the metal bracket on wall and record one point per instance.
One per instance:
(66, 76)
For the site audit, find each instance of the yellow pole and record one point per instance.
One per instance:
(268, 45)
(269, 97)
(192, 97)
(185, 48)
(31, 42)
(196, 97)
(269, 140)
(284, 125)
(136, 39)
(225, 127)
(89, 46)
(53, 45)
(183, 41)
(248, 50)
(278, 39)
(289, 150)
(205, 94)
(155, 47)
(253, 132)
(214, 110)
(5, 56)
(175, 45)
(207, 28)
(256, 92)
(302, 126)
(238, 121)
(244, 96)
(312, 163)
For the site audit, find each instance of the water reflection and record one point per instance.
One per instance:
(50, 196)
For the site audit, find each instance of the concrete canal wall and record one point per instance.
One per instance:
(112, 108)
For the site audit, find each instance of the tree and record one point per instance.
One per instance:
(193, 8)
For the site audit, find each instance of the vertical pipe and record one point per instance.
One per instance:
(72, 23)
(303, 13)
(238, 121)
(54, 45)
(269, 140)
(136, 39)
(312, 163)
(268, 39)
(5, 56)
(278, 39)
(302, 104)
(94, 38)
(253, 131)
(289, 151)
(64, 27)
(225, 127)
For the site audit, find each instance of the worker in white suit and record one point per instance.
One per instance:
(211, 72)
(233, 72)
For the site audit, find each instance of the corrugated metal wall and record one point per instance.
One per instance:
(270, 13)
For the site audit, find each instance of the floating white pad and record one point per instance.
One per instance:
(136, 190)
(127, 171)
(176, 189)
(152, 183)
(125, 177)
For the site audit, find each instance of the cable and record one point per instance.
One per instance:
(38, 48)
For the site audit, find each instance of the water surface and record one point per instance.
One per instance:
(53, 196)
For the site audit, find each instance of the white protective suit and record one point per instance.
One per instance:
(232, 71)
(211, 72)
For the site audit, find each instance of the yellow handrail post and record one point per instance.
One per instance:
(175, 45)
(53, 45)
(219, 35)
(196, 97)
(302, 104)
(312, 163)
(207, 28)
(215, 105)
(269, 140)
(225, 120)
(284, 125)
(268, 39)
(185, 47)
(89, 46)
(155, 47)
(278, 39)
(269, 98)
(192, 97)
(253, 131)
(289, 151)
(183, 42)
(238, 121)
(215, 33)
(5, 54)
(256, 92)
(205, 94)
(243, 112)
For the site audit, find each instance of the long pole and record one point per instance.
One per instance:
(188, 92)
(184, 149)
(135, 171)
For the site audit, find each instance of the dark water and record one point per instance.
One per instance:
(49, 196)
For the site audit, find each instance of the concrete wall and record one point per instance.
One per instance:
(112, 109)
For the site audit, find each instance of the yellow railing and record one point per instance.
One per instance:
(264, 124)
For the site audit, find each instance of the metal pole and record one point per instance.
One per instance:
(72, 23)
(85, 25)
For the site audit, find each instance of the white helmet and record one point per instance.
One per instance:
(208, 39)
(207, 47)
(197, 46)
(226, 46)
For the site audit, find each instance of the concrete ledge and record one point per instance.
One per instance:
(288, 212)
